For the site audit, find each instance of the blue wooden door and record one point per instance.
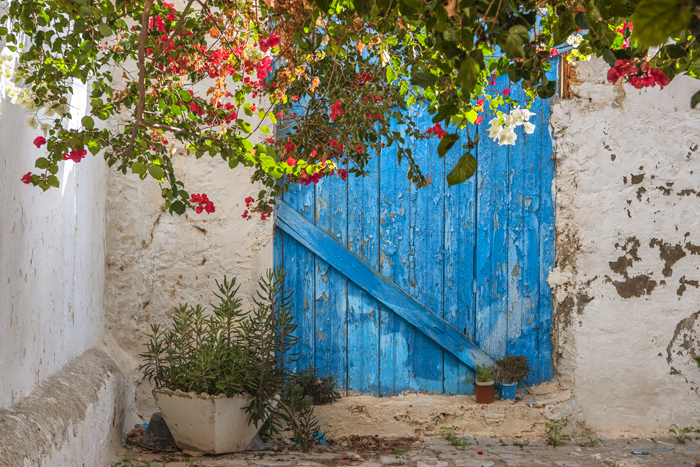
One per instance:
(401, 288)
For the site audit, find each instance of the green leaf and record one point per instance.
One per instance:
(469, 74)
(178, 207)
(186, 96)
(464, 170)
(413, 3)
(53, 181)
(612, 8)
(609, 57)
(656, 20)
(563, 28)
(363, 7)
(88, 122)
(156, 172)
(138, 168)
(513, 41)
(390, 75)
(695, 100)
(423, 79)
(441, 14)
(446, 143)
(105, 30)
(176, 110)
(41, 163)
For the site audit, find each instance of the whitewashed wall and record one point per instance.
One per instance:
(628, 251)
(51, 261)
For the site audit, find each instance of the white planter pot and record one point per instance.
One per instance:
(209, 424)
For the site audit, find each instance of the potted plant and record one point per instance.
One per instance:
(218, 375)
(483, 384)
(509, 370)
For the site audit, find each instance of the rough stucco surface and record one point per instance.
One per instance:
(156, 261)
(72, 419)
(51, 261)
(628, 255)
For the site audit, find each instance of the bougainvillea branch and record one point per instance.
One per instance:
(305, 89)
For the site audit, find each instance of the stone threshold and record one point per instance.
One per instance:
(419, 415)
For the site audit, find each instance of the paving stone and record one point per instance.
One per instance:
(393, 460)
(433, 463)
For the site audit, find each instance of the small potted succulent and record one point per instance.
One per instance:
(484, 384)
(218, 375)
(509, 370)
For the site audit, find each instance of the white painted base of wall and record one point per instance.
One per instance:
(73, 419)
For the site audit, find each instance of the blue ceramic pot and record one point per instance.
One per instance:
(507, 390)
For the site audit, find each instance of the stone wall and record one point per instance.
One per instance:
(628, 251)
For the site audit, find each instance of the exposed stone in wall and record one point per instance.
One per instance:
(628, 270)
(155, 260)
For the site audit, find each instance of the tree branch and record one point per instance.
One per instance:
(178, 28)
(143, 37)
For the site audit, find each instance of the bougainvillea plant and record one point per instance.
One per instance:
(301, 90)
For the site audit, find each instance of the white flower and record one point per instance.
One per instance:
(495, 128)
(574, 40)
(507, 136)
(385, 57)
(32, 122)
(526, 114)
(529, 128)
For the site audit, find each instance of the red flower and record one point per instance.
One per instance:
(334, 143)
(27, 179)
(553, 53)
(291, 161)
(273, 40)
(295, 98)
(478, 120)
(343, 174)
(480, 453)
(75, 155)
(336, 110)
(279, 115)
(39, 141)
(271, 140)
(661, 79)
(480, 102)
(249, 200)
(203, 203)
(506, 92)
(437, 130)
(313, 153)
(289, 147)
(359, 148)
(613, 75)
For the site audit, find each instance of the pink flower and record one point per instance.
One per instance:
(39, 141)
(27, 179)
(273, 40)
(506, 92)
(553, 53)
(313, 153)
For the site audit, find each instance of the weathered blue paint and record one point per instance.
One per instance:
(372, 282)
(363, 308)
(393, 283)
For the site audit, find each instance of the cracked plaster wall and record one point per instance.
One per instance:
(627, 299)
(155, 261)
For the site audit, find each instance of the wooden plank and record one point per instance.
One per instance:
(460, 244)
(426, 257)
(371, 281)
(491, 258)
(397, 336)
(363, 308)
(516, 237)
(527, 342)
(544, 368)
(330, 285)
(299, 262)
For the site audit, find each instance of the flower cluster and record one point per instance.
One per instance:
(639, 77)
(202, 203)
(75, 155)
(6, 64)
(437, 131)
(503, 126)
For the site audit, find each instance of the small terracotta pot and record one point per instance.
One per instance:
(484, 392)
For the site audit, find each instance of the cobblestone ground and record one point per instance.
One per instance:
(436, 452)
